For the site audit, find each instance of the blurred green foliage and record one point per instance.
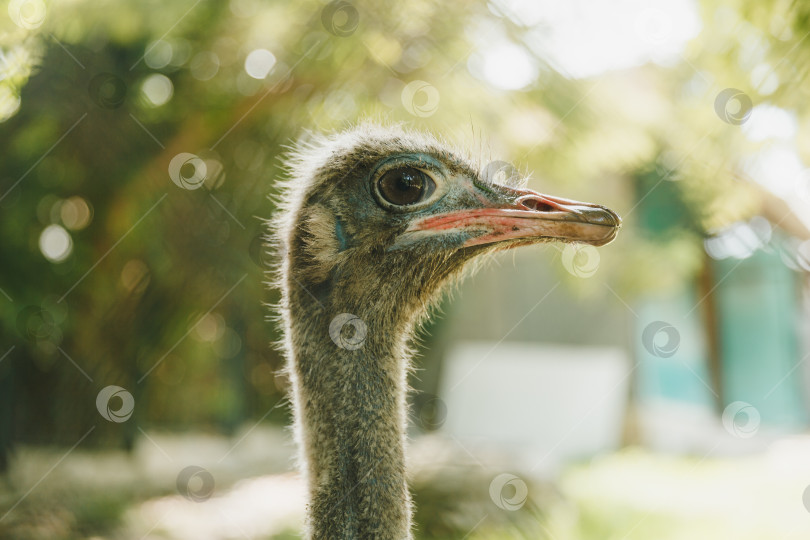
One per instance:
(132, 301)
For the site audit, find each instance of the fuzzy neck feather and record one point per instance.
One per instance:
(351, 416)
(349, 402)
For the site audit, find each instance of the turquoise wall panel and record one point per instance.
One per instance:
(758, 302)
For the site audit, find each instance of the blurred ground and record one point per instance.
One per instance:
(633, 494)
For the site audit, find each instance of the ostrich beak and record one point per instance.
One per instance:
(530, 217)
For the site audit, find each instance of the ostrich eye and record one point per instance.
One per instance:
(405, 186)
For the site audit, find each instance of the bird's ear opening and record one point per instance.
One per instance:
(322, 240)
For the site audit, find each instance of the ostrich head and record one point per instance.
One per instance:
(386, 214)
(373, 223)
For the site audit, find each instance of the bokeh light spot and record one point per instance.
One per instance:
(28, 14)
(508, 66)
(55, 243)
(158, 54)
(259, 63)
(158, 89)
(211, 327)
(75, 213)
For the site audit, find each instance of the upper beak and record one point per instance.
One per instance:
(532, 216)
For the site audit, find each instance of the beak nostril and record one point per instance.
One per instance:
(545, 207)
(537, 205)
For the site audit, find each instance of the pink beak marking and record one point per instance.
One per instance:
(531, 216)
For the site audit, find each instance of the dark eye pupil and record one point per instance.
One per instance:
(403, 186)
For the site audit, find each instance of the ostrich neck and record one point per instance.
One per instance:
(351, 418)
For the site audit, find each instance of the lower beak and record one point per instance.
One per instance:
(532, 217)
